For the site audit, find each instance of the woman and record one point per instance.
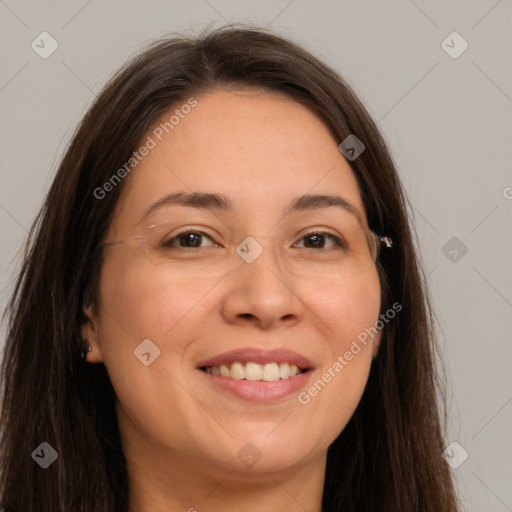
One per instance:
(220, 305)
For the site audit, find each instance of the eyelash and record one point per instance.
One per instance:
(168, 243)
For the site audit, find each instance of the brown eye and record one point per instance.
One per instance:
(186, 240)
(315, 240)
(318, 240)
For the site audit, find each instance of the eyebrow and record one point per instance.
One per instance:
(220, 202)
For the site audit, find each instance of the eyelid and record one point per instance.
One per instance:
(184, 231)
(336, 237)
(317, 229)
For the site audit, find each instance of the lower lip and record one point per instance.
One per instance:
(259, 391)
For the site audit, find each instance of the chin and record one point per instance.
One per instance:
(278, 451)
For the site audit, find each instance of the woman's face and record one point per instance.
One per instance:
(206, 299)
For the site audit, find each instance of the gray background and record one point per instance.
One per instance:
(448, 122)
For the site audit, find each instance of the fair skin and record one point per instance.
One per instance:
(181, 433)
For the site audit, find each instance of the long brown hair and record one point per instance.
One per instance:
(388, 458)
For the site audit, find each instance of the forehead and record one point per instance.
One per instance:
(259, 148)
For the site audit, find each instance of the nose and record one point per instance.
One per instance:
(259, 290)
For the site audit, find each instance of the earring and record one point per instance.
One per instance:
(85, 351)
(89, 348)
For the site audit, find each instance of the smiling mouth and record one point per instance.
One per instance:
(269, 372)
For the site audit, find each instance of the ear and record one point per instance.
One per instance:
(376, 344)
(90, 336)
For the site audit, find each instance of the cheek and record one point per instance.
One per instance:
(145, 302)
(344, 308)
(138, 304)
(347, 311)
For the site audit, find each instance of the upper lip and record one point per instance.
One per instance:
(260, 356)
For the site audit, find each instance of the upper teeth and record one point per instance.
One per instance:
(254, 371)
